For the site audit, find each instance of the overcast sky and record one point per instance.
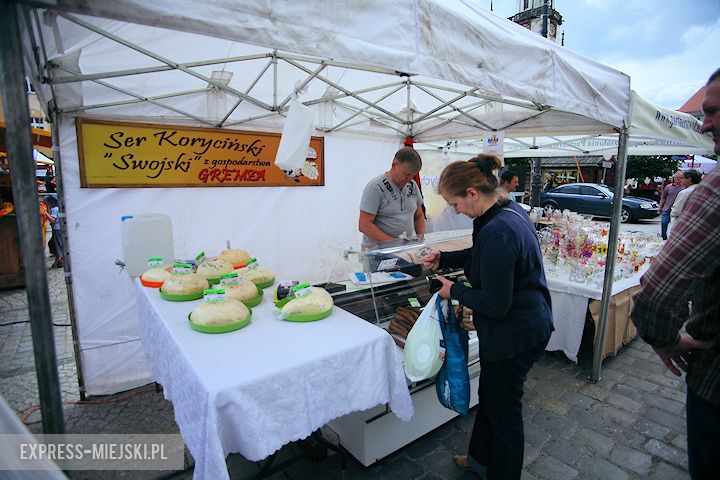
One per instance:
(669, 48)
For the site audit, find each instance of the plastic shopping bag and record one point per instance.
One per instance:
(453, 381)
(295, 138)
(424, 351)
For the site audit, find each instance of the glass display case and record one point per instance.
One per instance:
(373, 280)
(374, 283)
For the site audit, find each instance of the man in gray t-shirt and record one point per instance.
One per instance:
(392, 203)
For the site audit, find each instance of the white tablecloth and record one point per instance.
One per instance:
(253, 390)
(569, 305)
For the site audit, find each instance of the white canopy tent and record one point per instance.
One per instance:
(375, 72)
(653, 130)
(700, 163)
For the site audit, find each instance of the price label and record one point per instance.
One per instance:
(414, 302)
(200, 258)
(300, 290)
(387, 264)
(252, 264)
(230, 278)
(182, 268)
(154, 262)
(214, 295)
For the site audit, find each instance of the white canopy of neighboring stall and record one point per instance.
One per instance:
(700, 163)
(374, 72)
(653, 130)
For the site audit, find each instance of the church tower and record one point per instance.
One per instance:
(530, 13)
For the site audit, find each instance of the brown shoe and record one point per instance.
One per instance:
(462, 462)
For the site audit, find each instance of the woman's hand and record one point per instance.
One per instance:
(432, 260)
(445, 290)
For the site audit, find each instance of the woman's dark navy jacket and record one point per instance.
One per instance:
(509, 296)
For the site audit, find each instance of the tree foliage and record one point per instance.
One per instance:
(641, 166)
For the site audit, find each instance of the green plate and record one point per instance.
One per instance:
(269, 283)
(308, 317)
(220, 328)
(181, 298)
(254, 301)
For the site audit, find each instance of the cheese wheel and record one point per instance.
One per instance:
(220, 313)
(184, 284)
(214, 268)
(156, 274)
(240, 291)
(317, 301)
(256, 275)
(235, 256)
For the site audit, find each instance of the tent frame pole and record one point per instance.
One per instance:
(67, 258)
(599, 342)
(25, 196)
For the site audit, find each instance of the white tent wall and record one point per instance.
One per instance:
(297, 232)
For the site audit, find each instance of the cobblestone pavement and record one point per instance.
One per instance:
(630, 425)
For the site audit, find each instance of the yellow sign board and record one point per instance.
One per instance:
(122, 155)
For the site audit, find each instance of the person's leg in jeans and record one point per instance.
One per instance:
(480, 438)
(703, 437)
(664, 221)
(500, 446)
(60, 251)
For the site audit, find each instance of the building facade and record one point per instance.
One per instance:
(530, 13)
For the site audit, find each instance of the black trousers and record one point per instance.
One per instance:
(703, 437)
(497, 441)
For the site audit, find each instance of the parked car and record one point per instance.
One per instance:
(597, 200)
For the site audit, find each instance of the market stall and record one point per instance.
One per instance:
(369, 89)
(230, 70)
(575, 253)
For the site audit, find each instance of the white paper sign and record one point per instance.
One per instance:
(387, 264)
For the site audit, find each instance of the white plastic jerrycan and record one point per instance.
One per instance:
(144, 236)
